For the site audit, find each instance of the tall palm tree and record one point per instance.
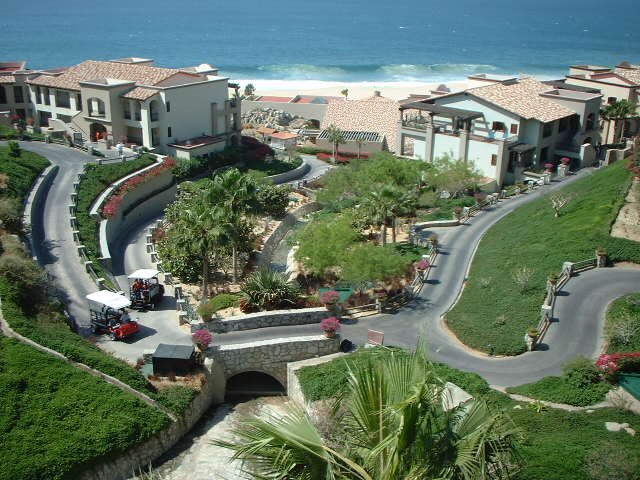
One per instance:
(404, 204)
(360, 143)
(617, 112)
(379, 207)
(336, 137)
(399, 423)
(237, 194)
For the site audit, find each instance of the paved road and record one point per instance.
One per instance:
(584, 301)
(52, 234)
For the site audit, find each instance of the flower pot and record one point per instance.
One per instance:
(201, 348)
(330, 333)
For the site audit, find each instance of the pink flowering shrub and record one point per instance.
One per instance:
(610, 363)
(202, 337)
(565, 160)
(548, 166)
(330, 296)
(111, 206)
(422, 264)
(330, 324)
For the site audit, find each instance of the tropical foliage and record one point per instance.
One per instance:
(395, 421)
(267, 289)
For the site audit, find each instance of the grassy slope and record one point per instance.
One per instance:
(531, 236)
(616, 310)
(22, 171)
(556, 443)
(56, 420)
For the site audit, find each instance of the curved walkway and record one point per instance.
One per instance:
(584, 303)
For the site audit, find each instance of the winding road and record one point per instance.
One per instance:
(579, 309)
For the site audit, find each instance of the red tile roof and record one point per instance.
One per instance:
(267, 98)
(284, 135)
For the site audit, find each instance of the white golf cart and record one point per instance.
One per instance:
(108, 314)
(145, 291)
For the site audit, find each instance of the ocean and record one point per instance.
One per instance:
(330, 41)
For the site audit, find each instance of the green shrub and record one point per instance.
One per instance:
(11, 214)
(622, 327)
(176, 398)
(562, 390)
(221, 301)
(581, 372)
(14, 148)
(267, 289)
(274, 199)
(22, 172)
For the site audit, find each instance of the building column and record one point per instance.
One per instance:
(132, 109)
(501, 168)
(146, 129)
(463, 145)
(214, 119)
(428, 142)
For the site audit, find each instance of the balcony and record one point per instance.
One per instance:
(154, 116)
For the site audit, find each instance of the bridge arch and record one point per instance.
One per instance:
(254, 382)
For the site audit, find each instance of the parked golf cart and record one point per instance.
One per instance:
(145, 291)
(108, 313)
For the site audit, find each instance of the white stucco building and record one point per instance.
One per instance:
(131, 101)
(505, 128)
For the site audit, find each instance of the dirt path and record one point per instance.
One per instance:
(627, 225)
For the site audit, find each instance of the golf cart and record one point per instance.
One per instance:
(145, 291)
(108, 313)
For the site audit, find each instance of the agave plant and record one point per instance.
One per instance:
(267, 289)
(399, 423)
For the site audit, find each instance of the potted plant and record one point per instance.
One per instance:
(421, 265)
(565, 161)
(330, 297)
(329, 326)
(533, 334)
(552, 279)
(457, 212)
(202, 339)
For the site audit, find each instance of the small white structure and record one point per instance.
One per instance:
(283, 140)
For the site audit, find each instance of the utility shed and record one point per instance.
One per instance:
(173, 359)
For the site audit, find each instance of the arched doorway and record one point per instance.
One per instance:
(98, 132)
(253, 383)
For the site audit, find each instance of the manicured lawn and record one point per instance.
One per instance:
(623, 324)
(97, 178)
(56, 420)
(22, 171)
(557, 445)
(493, 314)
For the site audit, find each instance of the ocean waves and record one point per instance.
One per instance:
(360, 73)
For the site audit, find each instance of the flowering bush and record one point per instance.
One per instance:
(610, 363)
(422, 264)
(202, 337)
(111, 206)
(548, 166)
(330, 324)
(330, 296)
(565, 160)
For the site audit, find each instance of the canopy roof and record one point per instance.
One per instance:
(442, 111)
(144, 274)
(110, 299)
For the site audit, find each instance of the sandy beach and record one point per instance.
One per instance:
(357, 90)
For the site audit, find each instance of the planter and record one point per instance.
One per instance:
(330, 333)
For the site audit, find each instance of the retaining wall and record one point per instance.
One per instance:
(140, 457)
(294, 174)
(275, 318)
(281, 230)
(35, 201)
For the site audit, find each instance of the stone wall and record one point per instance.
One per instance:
(272, 356)
(274, 318)
(121, 467)
(294, 390)
(294, 174)
(281, 230)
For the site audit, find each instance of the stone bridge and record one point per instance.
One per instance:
(268, 357)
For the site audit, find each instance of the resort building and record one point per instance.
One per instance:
(185, 112)
(505, 127)
(619, 83)
(14, 93)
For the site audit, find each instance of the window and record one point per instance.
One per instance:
(547, 128)
(3, 95)
(611, 100)
(47, 99)
(513, 160)
(494, 160)
(21, 113)
(168, 106)
(78, 101)
(563, 124)
(498, 127)
(514, 129)
(169, 132)
(38, 95)
(18, 96)
(44, 118)
(62, 99)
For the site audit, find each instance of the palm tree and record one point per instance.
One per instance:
(404, 204)
(359, 142)
(237, 194)
(378, 206)
(399, 423)
(616, 111)
(336, 137)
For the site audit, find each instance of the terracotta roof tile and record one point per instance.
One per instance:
(284, 135)
(629, 74)
(140, 93)
(91, 69)
(374, 114)
(7, 79)
(523, 98)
